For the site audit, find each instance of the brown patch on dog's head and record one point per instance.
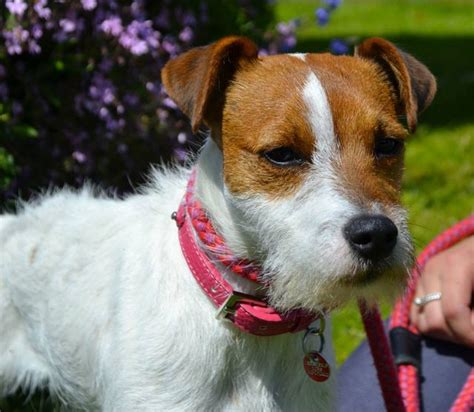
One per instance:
(197, 80)
(363, 111)
(264, 111)
(254, 105)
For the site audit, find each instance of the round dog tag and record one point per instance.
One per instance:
(316, 367)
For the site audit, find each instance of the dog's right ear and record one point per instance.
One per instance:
(197, 79)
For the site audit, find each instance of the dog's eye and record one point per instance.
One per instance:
(283, 156)
(387, 146)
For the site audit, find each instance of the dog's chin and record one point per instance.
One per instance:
(373, 285)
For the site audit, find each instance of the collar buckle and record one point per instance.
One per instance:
(228, 308)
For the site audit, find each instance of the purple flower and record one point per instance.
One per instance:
(288, 43)
(333, 4)
(322, 16)
(170, 47)
(106, 65)
(14, 39)
(139, 47)
(36, 31)
(180, 154)
(104, 113)
(139, 37)
(137, 9)
(162, 114)
(41, 9)
(89, 4)
(112, 26)
(339, 46)
(186, 35)
(188, 19)
(67, 25)
(102, 90)
(16, 7)
(182, 138)
(79, 157)
(167, 102)
(34, 47)
(17, 108)
(284, 29)
(131, 99)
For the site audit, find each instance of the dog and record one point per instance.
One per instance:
(101, 300)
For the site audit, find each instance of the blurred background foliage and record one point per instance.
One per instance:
(80, 96)
(80, 91)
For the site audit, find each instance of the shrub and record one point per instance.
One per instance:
(80, 91)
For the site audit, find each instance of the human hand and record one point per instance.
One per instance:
(450, 272)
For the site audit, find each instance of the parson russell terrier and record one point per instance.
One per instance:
(294, 200)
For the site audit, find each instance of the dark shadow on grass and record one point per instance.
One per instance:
(451, 61)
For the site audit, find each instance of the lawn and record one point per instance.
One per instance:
(439, 177)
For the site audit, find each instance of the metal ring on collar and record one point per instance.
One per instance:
(430, 297)
(317, 332)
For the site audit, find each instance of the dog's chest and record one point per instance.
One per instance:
(217, 369)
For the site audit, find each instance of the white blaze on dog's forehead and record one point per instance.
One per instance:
(319, 116)
(301, 56)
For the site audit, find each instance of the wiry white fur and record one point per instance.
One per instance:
(98, 305)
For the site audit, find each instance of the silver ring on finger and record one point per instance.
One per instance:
(430, 297)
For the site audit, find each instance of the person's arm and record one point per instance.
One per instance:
(452, 317)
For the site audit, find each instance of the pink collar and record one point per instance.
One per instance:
(248, 313)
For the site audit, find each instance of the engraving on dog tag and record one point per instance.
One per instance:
(316, 367)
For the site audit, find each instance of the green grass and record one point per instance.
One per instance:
(439, 177)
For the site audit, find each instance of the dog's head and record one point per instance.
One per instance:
(313, 150)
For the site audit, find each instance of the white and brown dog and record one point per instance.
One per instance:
(301, 174)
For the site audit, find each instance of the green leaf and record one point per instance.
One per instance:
(25, 131)
(59, 65)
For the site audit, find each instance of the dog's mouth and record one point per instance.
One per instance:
(365, 279)
(372, 274)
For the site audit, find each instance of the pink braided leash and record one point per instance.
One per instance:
(408, 385)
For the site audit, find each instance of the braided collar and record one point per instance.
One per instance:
(248, 313)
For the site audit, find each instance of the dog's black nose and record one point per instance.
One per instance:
(371, 236)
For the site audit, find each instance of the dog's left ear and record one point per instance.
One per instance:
(413, 83)
(197, 79)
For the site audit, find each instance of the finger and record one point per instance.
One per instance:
(456, 303)
(415, 309)
(431, 319)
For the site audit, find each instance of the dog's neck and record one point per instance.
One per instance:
(211, 192)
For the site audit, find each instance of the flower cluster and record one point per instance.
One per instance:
(80, 90)
(322, 15)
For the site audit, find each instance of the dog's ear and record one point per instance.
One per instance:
(197, 79)
(413, 83)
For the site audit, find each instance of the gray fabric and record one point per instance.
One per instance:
(445, 367)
